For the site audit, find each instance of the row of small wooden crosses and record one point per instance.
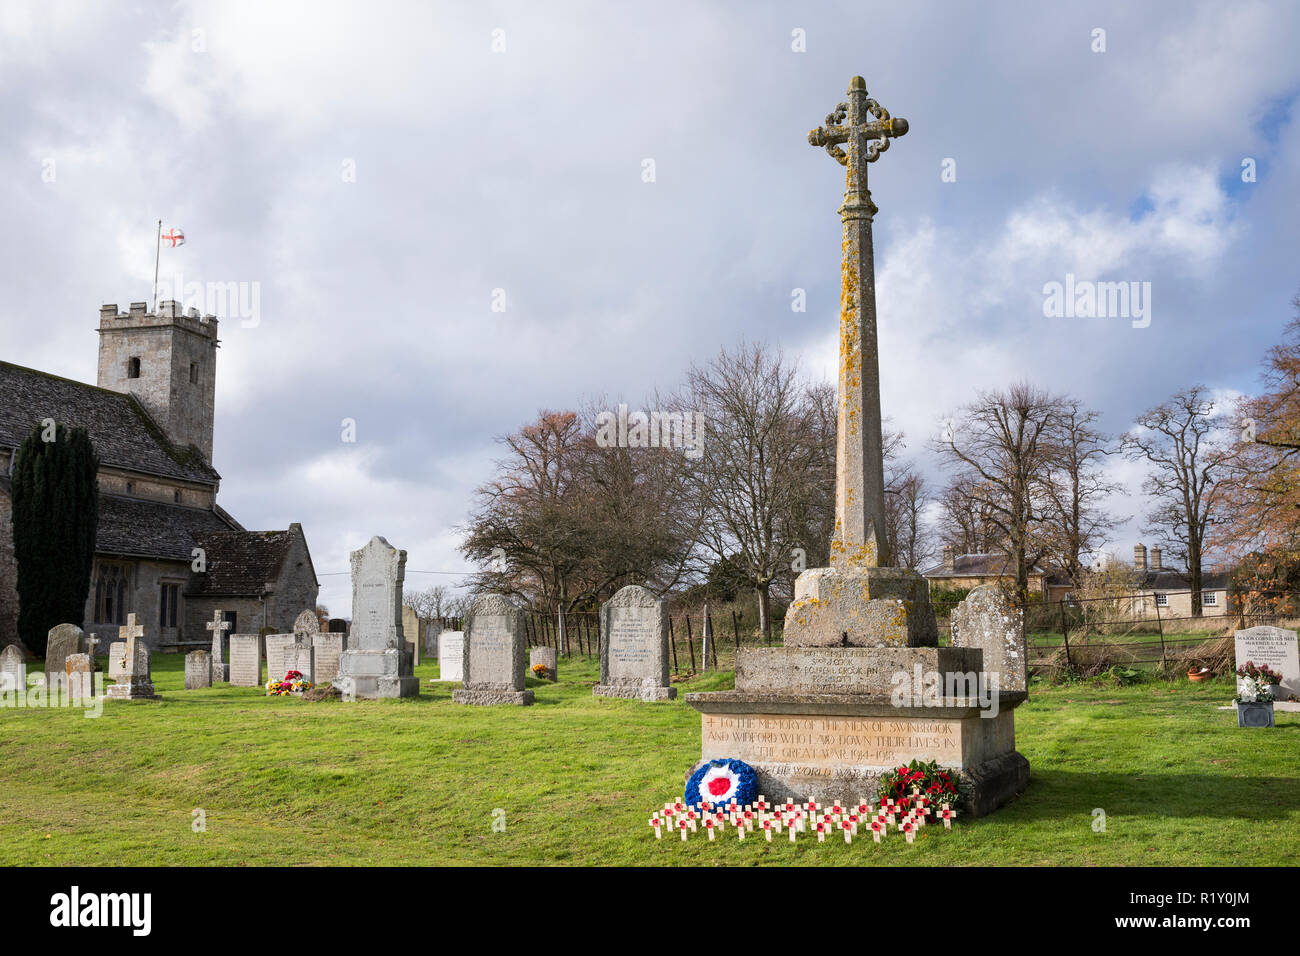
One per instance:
(801, 818)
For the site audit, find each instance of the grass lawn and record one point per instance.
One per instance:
(282, 781)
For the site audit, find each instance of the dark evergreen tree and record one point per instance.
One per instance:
(55, 515)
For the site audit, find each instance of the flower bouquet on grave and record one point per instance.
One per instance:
(541, 672)
(1256, 683)
(293, 684)
(940, 787)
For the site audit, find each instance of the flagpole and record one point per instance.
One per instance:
(156, 256)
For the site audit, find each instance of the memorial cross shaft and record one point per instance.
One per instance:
(860, 539)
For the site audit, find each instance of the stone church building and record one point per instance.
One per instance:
(165, 550)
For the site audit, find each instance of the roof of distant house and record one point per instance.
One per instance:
(123, 433)
(1167, 579)
(977, 566)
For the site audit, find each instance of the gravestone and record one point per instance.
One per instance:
(376, 663)
(547, 657)
(634, 646)
(338, 625)
(245, 660)
(79, 675)
(63, 640)
(218, 626)
(301, 657)
(136, 683)
(13, 669)
(198, 669)
(329, 649)
(1275, 648)
(988, 619)
(277, 647)
(116, 660)
(451, 655)
(494, 654)
(411, 631)
(306, 623)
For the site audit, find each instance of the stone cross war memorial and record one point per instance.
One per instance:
(825, 716)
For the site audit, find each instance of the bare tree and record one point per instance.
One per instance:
(1002, 443)
(1189, 450)
(753, 478)
(1075, 518)
(906, 499)
(965, 518)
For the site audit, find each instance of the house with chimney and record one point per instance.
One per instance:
(1167, 592)
(165, 549)
(972, 570)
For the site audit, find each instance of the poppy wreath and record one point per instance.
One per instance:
(940, 786)
(722, 781)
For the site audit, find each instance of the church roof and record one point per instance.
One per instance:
(154, 529)
(240, 562)
(121, 430)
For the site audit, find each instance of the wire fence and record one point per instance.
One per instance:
(1072, 633)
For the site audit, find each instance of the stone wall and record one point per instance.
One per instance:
(8, 574)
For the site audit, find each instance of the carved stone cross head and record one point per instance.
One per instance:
(130, 631)
(218, 625)
(872, 136)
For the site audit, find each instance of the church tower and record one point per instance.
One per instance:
(168, 361)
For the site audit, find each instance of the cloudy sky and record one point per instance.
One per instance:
(378, 170)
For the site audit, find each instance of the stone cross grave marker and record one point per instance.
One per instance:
(218, 626)
(136, 683)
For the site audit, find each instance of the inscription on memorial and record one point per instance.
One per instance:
(831, 741)
(633, 643)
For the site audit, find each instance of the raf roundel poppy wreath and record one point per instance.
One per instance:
(722, 781)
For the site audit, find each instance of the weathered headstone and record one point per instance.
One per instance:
(79, 676)
(13, 669)
(989, 619)
(136, 683)
(451, 655)
(634, 646)
(377, 663)
(63, 640)
(218, 626)
(306, 623)
(548, 658)
(198, 669)
(494, 654)
(116, 660)
(329, 649)
(277, 646)
(1274, 647)
(411, 631)
(246, 660)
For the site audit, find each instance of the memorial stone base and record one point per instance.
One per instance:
(825, 723)
(647, 690)
(371, 675)
(487, 697)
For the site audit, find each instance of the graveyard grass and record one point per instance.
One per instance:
(574, 779)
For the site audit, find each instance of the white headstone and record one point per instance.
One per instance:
(377, 663)
(451, 651)
(246, 660)
(1276, 648)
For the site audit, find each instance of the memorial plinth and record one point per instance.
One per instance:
(823, 717)
(824, 723)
